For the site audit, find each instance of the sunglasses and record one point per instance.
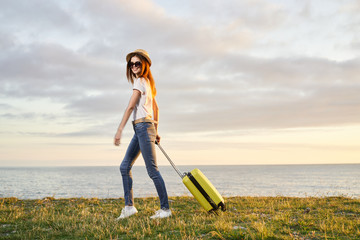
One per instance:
(136, 64)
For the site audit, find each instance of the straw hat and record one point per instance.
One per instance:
(140, 52)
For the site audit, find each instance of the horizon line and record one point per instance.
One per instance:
(163, 165)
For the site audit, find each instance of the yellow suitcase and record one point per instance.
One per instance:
(203, 191)
(200, 187)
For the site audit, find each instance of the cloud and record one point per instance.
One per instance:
(123, 25)
(268, 93)
(39, 20)
(209, 72)
(50, 70)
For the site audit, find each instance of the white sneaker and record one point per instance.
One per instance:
(162, 214)
(127, 211)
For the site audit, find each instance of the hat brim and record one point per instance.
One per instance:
(139, 53)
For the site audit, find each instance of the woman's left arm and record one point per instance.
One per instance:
(156, 118)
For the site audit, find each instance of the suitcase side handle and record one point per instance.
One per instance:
(171, 162)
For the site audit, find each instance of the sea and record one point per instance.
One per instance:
(236, 180)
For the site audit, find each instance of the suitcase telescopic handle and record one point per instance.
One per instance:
(171, 162)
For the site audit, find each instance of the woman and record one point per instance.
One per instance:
(142, 107)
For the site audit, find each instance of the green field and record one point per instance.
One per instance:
(245, 218)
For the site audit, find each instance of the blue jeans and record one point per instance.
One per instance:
(144, 142)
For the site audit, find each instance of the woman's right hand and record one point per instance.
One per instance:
(117, 138)
(157, 141)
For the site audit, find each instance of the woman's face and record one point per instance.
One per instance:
(135, 64)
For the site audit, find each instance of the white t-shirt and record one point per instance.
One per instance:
(143, 107)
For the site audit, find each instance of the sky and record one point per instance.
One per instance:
(238, 81)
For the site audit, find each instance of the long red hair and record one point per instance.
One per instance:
(145, 73)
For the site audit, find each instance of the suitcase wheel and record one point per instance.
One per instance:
(223, 207)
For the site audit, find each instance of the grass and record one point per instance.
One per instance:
(245, 218)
